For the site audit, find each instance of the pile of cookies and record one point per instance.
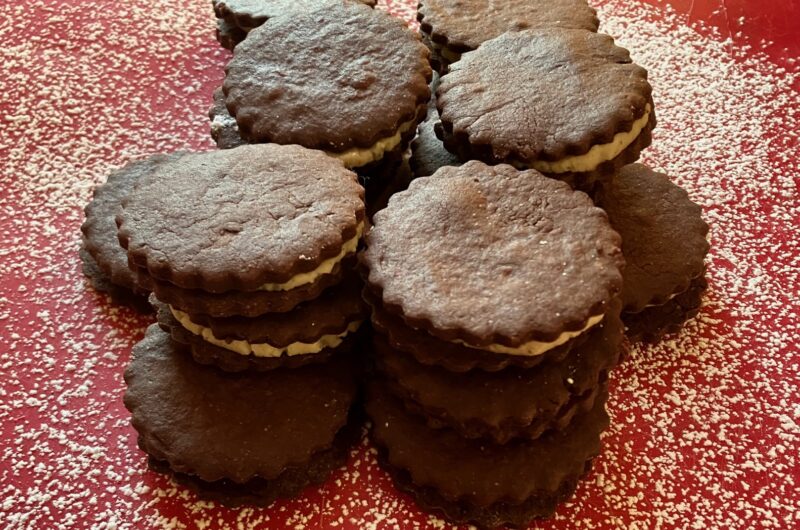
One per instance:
(499, 285)
(245, 392)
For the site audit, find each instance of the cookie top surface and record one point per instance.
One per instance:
(338, 77)
(466, 24)
(215, 425)
(489, 254)
(100, 229)
(253, 13)
(238, 218)
(563, 91)
(478, 472)
(663, 235)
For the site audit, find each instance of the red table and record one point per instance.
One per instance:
(705, 426)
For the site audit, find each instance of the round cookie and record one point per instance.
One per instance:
(452, 28)
(483, 477)
(216, 426)
(506, 261)
(311, 332)
(254, 218)
(511, 403)
(341, 78)
(104, 260)
(664, 243)
(571, 105)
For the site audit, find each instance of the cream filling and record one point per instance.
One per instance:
(358, 156)
(324, 268)
(597, 154)
(262, 349)
(534, 347)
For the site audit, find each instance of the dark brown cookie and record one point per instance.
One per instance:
(224, 130)
(453, 28)
(244, 303)
(652, 323)
(252, 218)
(357, 80)
(427, 151)
(249, 14)
(101, 283)
(493, 257)
(262, 492)
(453, 356)
(478, 473)
(332, 313)
(511, 403)
(499, 514)
(204, 352)
(663, 235)
(218, 426)
(571, 105)
(229, 35)
(100, 229)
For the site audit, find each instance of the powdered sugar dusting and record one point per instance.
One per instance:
(704, 426)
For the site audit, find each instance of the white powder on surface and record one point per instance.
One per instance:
(704, 427)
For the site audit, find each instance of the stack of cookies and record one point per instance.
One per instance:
(495, 304)
(245, 391)
(236, 18)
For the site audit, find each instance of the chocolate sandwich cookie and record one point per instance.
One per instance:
(511, 403)
(339, 77)
(263, 219)
(219, 427)
(506, 261)
(572, 105)
(427, 151)
(311, 332)
(104, 261)
(472, 481)
(224, 130)
(664, 243)
(262, 492)
(452, 28)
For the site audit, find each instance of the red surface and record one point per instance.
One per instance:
(704, 426)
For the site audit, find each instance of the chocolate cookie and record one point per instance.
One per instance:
(310, 333)
(511, 403)
(340, 77)
(218, 426)
(262, 492)
(254, 218)
(427, 151)
(106, 261)
(480, 475)
(664, 243)
(571, 105)
(453, 28)
(502, 260)
(499, 514)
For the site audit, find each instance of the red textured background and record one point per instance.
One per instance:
(704, 426)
